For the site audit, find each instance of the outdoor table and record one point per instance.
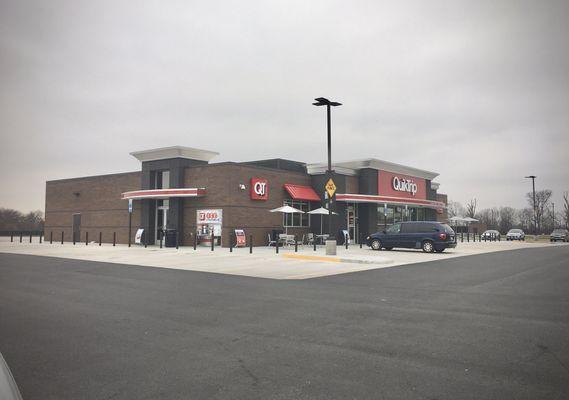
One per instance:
(286, 239)
(322, 237)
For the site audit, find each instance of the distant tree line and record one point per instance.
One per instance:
(544, 220)
(14, 220)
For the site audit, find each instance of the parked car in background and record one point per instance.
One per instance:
(515, 234)
(490, 235)
(561, 235)
(428, 236)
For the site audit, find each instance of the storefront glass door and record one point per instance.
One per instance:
(161, 220)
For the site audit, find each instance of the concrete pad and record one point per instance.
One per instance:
(263, 263)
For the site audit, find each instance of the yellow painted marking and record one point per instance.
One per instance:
(312, 258)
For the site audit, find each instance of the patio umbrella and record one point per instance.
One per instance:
(321, 211)
(287, 210)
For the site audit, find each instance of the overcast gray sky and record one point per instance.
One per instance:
(475, 90)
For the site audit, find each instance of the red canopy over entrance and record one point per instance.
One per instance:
(299, 192)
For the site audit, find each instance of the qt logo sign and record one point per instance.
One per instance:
(259, 189)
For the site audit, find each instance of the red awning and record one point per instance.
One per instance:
(299, 192)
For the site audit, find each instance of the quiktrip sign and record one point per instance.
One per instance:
(397, 185)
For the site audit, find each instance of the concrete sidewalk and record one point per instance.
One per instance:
(263, 263)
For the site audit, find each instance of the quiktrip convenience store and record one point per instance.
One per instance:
(183, 189)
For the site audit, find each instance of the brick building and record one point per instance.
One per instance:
(179, 188)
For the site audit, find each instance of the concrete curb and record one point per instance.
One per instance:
(337, 259)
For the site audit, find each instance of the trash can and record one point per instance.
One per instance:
(170, 238)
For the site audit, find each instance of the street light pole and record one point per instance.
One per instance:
(322, 101)
(534, 211)
(553, 206)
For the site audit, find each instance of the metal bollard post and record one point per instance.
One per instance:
(177, 240)
(100, 238)
(347, 242)
(87, 238)
(277, 245)
(314, 242)
(145, 240)
(212, 240)
(161, 237)
(195, 240)
(51, 237)
(61, 237)
(74, 238)
(21, 237)
(295, 245)
(461, 237)
(230, 242)
(11, 236)
(250, 244)
(114, 239)
(41, 234)
(468, 237)
(30, 237)
(361, 240)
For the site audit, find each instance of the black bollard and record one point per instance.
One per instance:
(250, 244)
(212, 240)
(74, 238)
(462, 236)
(295, 245)
(177, 240)
(277, 245)
(87, 238)
(347, 241)
(30, 237)
(61, 237)
(314, 242)
(145, 240)
(20, 237)
(468, 237)
(195, 240)
(41, 234)
(161, 237)
(100, 238)
(361, 240)
(51, 237)
(114, 239)
(231, 243)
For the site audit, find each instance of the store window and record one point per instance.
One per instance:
(297, 220)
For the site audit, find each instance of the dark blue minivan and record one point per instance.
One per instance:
(429, 236)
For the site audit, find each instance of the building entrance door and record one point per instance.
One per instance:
(161, 223)
(76, 227)
(352, 222)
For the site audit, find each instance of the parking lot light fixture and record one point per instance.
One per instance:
(322, 101)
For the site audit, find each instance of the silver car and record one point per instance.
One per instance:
(561, 235)
(515, 234)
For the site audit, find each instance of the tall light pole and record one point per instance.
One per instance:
(322, 101)
(553, 206)
(532, 177)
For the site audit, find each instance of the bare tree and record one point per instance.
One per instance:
(566, 209)
(542, 198)
(13, 220)
(454, 209)
(471, 208)
(525, 218)
(507, 218)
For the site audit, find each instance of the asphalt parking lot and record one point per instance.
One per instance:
(490, 326)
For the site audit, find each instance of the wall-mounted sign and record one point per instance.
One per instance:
(259, 189)
(401, 186)
(209, 217)
(404, 185)
(130, 205)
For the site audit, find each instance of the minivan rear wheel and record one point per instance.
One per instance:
(428, 246)
(376, 244)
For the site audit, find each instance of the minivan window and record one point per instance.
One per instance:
(426, 227)
(408, 228)
(393, 229)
